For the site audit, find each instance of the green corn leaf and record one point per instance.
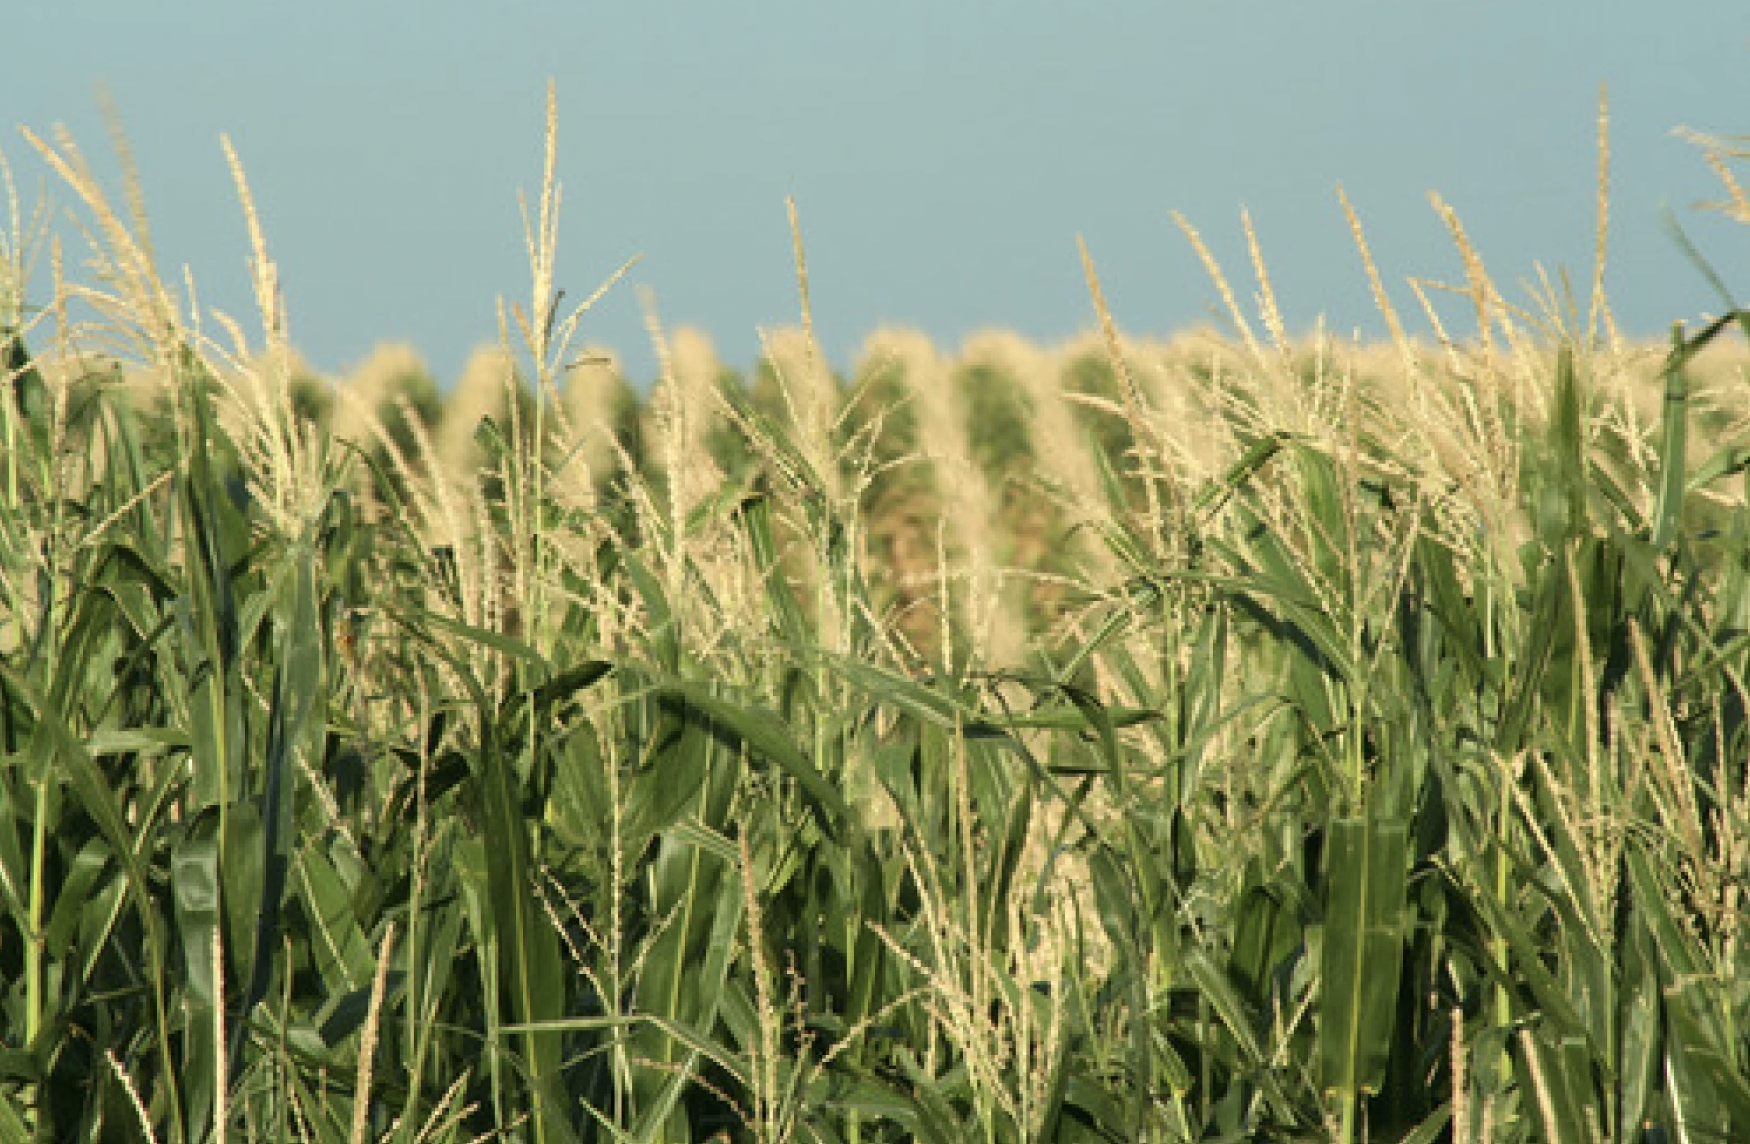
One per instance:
(13, 1128)
(293, 724)
(1553, 1076)
(1363, 951)
(338, 944)
(194, 872)
(1673, 439)
(76, 893)
(1431, 1129)
(764, 733)
(755, 513)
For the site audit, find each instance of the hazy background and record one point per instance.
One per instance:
(944, 154)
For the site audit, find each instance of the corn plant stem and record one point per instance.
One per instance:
(35, 939)
(543, 1109)
(1503, 1004)
(1357, 755)
(416, 1033)
(12, 450)
(1205, 1067)
(622, 1072)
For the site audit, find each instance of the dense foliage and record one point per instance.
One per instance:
(1375, 768)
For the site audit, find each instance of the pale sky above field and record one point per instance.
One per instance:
(944, 154)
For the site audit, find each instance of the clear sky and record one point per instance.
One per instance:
(944, 153)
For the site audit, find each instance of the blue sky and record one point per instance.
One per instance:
(944, 155)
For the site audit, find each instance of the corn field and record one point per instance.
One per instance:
(1239, 737)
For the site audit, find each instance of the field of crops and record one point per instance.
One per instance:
(1231, 738)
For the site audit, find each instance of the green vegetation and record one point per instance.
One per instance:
(1365, 757)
